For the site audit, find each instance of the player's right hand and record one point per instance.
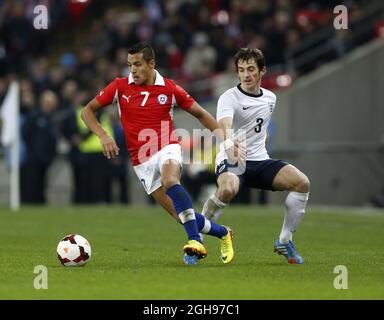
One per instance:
(110, 148)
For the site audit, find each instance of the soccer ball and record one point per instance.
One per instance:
(74, 251)
(190, 260)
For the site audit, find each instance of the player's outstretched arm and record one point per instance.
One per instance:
(110, 148)
(207, 120)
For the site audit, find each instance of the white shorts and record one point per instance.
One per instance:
(149, 172)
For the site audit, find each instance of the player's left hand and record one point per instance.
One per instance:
(110, 148)
(235, 151)
(240, 150)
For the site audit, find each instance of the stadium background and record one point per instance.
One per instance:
(329, 119)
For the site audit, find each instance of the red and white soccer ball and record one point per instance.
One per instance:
(74, 251)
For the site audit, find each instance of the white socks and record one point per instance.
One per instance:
(213, 208)
(295, 204)
(294, 211)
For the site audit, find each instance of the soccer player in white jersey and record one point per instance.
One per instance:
(248, 108)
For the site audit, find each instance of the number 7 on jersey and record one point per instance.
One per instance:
(146, 94)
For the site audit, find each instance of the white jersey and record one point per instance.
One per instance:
(251, 115)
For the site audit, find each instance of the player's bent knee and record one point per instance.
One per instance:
(168, 182)
(304, 185)
(226, 194)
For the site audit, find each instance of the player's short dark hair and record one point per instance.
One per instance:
(145, 48)
(247, 54)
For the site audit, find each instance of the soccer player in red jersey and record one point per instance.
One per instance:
(146, 101)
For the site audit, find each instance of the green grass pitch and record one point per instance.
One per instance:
(137, 254)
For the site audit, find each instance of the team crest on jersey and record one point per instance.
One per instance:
(162, 98)
(270, 105)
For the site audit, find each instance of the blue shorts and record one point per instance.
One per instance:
(258, 174)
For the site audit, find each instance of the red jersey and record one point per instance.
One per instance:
(146, 113)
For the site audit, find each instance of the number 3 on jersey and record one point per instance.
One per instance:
(146, 95)
(259, 122)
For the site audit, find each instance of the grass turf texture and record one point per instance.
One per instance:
(136, 254)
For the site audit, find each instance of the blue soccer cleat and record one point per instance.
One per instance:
(289, 251)
(190, 260)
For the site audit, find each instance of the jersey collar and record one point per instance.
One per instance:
(250, 94)
(159, 81)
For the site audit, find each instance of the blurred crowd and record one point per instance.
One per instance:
(194, 41)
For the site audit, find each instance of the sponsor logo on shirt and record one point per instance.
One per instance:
(126, 98)
(247, 107)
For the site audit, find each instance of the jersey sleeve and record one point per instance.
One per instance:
(182, 97)
(225, 107)
(107, 95)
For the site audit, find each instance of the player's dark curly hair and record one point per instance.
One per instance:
(145, 48)
(247, 54)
